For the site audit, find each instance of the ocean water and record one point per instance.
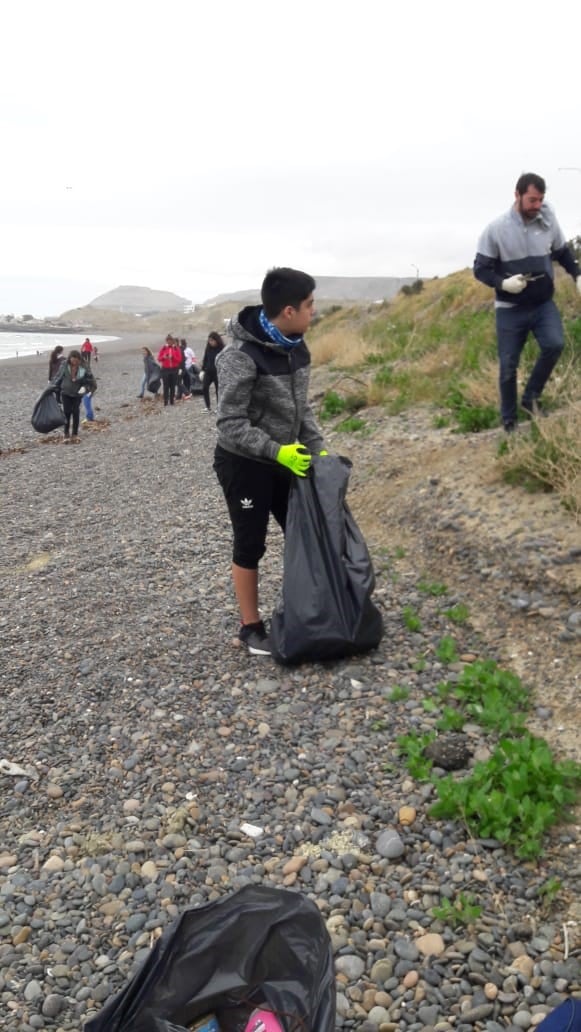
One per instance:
(18, 345)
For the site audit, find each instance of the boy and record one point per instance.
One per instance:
(266, 430)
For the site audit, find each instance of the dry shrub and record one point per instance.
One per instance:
(438, 361)
(549, 457)
(339, 347)
(481, 389)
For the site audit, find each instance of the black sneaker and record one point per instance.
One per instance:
(533, 408)
(509, 426)
(254, 636)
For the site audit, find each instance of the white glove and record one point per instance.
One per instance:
(514, 284)
(579, 284)
(82, 390)
(201, 375)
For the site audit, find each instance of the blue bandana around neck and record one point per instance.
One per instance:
(275, 335)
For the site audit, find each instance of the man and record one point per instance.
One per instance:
(515, 256)
(266, 430)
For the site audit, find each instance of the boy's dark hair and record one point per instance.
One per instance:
(282, 287)
(530, 179)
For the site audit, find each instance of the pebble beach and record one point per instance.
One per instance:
(140, 741)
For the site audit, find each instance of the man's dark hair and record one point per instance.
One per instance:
(282, 287)
(530, 179)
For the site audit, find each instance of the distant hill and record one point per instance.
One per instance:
(346, 289)
(140, 301)
(134, 309)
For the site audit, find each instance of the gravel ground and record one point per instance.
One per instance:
(145, 739)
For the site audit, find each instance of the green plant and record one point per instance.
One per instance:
(429, 705)
(463, 910)
(332, 405)
(411, 619)
(351, 425)
(432, 588)
(441, 422)
(451, 720)
(458, 614)
(398, 552)
(412, 748)
(384, 376)
(446, 650)
(550, 889)
(420, 665)
(470, 417)
(494, 698)
(398, 693)
(378, 725)
(514, 797)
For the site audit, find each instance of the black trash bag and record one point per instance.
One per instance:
(325, 611)
(154, 378)
(196, 386)
(258, 946)
(47, 414)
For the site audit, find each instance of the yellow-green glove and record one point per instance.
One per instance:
(295, 457)
(323, 452)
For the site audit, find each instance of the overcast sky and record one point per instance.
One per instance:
(189, 146)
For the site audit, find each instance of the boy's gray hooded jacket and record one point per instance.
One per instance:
(263, 393)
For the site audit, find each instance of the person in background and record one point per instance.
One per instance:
(151, 372)
(267, 433)
(56, 359)
(73, 380)
(170, 359)
(95, 353)
(86, 352)
(209, 375)
(189, 362)
(515, 256)
(88, 401)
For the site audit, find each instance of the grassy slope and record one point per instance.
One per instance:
(438, 348)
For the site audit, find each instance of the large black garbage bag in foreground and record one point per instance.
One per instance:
(325, 611)
(260, 945)
(47, 414)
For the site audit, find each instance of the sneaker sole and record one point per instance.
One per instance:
(254, 651)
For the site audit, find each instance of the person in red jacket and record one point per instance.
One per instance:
(170, 359)
(86, 352)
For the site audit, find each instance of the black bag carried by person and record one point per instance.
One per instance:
(154, 378)
(260, 946)
(325, 611)
(195, 382)
(47, 414)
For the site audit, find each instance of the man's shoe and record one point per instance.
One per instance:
(509, 426)
(255, 638)
(533, 408)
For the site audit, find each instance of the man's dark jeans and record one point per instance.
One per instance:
(513, 326)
